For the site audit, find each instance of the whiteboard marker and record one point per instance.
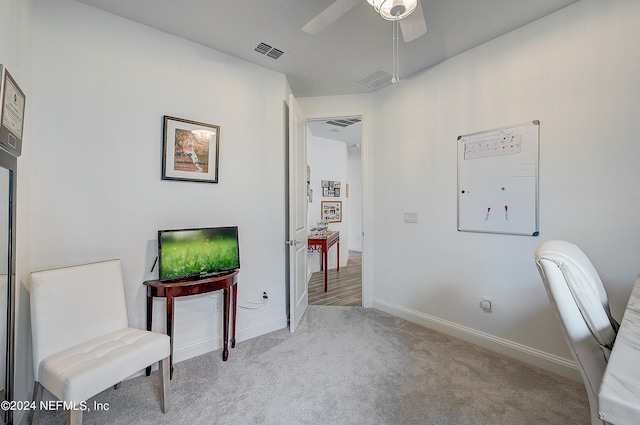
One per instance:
(486, 217)
(506, 212)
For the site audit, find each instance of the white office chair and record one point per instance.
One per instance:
(576, 291)
(82, 342)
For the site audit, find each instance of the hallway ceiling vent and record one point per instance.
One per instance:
(344, 122)
(377, 79)
(269, 50)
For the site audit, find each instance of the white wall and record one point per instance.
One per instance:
(101, 87)
(101, 84)
(576, 71)
(573, 71)
(327, 160)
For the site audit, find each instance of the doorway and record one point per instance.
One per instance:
(335, 176)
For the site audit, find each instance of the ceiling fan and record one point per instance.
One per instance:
(408, 14)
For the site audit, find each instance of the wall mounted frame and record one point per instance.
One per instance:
(190, 150)
(11, 113)
(332, 211)
(330, 188)
(498, 180)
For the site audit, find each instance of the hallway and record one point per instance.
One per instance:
(344, 287)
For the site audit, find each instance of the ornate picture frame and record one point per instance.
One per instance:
(190, 150)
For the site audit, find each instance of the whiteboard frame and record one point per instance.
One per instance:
(531, 227)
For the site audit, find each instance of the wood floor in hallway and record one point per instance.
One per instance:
(344, 286)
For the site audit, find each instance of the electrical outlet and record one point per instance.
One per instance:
(216, 301)
(264, 294)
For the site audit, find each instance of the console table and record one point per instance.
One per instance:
(323, 244)
(619, 395)
(180, 288)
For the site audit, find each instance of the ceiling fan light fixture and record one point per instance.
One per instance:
(393, 10)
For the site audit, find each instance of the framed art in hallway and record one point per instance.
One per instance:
(332, 211)
(190, 150)
(330, 188)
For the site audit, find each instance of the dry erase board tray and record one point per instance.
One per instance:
(498, 180)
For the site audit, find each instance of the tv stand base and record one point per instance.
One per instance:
(228, 283)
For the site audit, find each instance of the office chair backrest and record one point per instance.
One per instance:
(72, 305)
(576, 291)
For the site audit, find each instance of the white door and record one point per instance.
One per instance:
(297, 188)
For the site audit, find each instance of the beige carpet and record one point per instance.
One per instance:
(349, 365)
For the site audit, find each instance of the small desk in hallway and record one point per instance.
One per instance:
(322, 244)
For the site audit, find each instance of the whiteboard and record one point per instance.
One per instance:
(498, 180)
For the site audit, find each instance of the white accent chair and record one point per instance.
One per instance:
(576, 291)
(82, 342)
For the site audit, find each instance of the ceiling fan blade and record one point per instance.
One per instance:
(329, 16)
(414, 25)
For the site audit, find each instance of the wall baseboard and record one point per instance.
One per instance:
(532, 356)
(208, 345)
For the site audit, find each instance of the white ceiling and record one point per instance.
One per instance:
(354, 46)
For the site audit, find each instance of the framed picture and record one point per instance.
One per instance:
(330, 188)
(11, 113)
(332, 211)
(190, 150)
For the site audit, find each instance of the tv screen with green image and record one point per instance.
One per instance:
(185, 253)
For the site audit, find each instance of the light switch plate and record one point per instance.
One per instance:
(410, 217)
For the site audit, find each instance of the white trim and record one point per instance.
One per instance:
(208, 345)
(532, 356)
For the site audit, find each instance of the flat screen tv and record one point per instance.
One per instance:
(192, 253)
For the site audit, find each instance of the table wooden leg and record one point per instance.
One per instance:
(170, 329)
(326, 267)
(225, 326)
(149, 322)
(338, 257)
(234, 301)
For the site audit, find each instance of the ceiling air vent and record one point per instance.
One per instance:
(377, 79)
(343, 122)
(269, 50)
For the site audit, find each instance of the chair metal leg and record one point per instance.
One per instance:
(34, 414)
(74, 417)
(165, 379)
